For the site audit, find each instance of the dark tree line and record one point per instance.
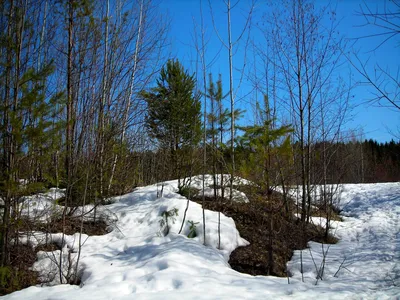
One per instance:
(375, 162)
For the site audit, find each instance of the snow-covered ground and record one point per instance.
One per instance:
(366, 261)
(135, 261)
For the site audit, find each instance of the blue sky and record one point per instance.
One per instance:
(374, 121)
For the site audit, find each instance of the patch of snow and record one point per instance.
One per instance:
(237, 196)
(39, 207)
(366, 258)
(133, 261)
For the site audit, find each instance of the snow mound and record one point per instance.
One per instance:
(135, 261)
(221, 180)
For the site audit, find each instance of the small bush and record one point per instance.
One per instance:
(166, 215)
(192, 229)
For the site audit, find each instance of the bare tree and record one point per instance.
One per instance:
(147, 39)
(385, 80)
(232, 94)
(306, 55)
(130, 87)
(202, 53)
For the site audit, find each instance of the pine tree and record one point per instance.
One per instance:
(173, 115)
(41, 132)
(26, 115)
(218, 120)
(260, 143)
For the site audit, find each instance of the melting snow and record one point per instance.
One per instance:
(135, 261)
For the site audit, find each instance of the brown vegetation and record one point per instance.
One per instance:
(22, 256)
(253, 221)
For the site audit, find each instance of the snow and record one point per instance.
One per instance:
(41, 206)
(136, 261)
(367, 258)
(237, 196)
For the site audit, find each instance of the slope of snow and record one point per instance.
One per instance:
(197, 182)
(135, 262)
(367, 257)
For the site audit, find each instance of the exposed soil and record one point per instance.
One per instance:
(49, 247)
(72, 225)
(270, 228)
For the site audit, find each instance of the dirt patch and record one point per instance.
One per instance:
(48, 247)
(71, 226)
(322, 211)
(272, 230)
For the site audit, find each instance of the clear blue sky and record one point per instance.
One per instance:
(375, 121)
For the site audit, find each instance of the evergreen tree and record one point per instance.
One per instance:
(219, 120)
(27, 117)
(218, 125)
(173, 115)
(41, 131)
(259, 144)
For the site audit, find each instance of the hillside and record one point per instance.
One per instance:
(135, 260)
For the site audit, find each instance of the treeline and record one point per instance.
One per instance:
(353, 162)
(358, 161)
(372, 161)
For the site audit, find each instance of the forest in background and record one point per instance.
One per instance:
(91, 101)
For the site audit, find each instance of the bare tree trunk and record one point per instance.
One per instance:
(232, 100)
(203, 63)
(6, 154)
(221, 132)
(69, 135)
(70, 104)
(302, 149)
(362, 161)
(213, 143)
(103, 102)
(308, 159)
(76, 278)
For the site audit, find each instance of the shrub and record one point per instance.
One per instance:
(192, 229)
(167, 214)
